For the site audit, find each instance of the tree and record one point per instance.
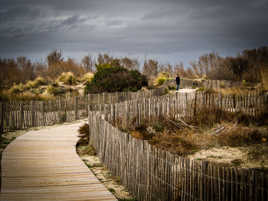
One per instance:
(56, 69)
(238, 66)
(88, 63)
(26, 67)
(150, 68)
(130, 64)
(104, 59)
(167, 69)
(54, 57)
(179, 69)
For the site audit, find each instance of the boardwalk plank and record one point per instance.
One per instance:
(43, 165)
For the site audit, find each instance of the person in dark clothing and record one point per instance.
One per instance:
(178, 80)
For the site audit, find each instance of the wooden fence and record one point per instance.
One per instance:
(214, 84)
(181, 105)
(15, 115)
(152, 174)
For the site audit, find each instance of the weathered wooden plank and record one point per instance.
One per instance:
(43, 165)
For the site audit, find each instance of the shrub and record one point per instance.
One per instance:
(4, 96)
(160, 79)
(171, 88)
(67, 78)
(17, 89)
(86, 149)
(84, 134)
(241, 136)
(25, 96)
(87, 77)
(112, 79)
(84, 130)
(55, 91)
(39, 81)
(29, 85)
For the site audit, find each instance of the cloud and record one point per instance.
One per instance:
(140, 27)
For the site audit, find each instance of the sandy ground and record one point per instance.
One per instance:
(254, 156)
(182, 91)
(112, 183)
(186, 91)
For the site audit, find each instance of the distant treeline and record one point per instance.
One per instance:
(247, 66)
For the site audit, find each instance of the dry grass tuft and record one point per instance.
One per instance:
(242, 136)
(67, 78)
(83, 134)
(204, 131)
(24, 96)
(84, 130)
(17, 89)
(87, 77)
(86, 150)
(39, 81)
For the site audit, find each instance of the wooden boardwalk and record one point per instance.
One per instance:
(43, 165)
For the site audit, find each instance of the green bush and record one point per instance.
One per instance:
(160, 79)
(171, 88)
(112, 79)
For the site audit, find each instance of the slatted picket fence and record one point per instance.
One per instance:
(181, 105)
(15, 115)
(152, 174)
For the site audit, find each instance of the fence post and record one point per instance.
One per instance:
(21, 115)
(43, 113)
(234, 104)
(195, 94)
(76, 107)
(2, 107)
(32, 114)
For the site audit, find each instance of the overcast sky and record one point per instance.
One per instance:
(168, 30)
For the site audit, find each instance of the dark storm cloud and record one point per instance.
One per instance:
(141, 27)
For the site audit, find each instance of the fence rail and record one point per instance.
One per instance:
(152, 174)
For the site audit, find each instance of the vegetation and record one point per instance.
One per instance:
(87, 77)
(39, 81)
(55, 91)
(67, 78)
(217, 129)
(21, 74)
(161, 79)
(109, 78)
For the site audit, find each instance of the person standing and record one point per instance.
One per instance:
(178, 80)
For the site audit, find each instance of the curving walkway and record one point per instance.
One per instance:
(43, 165)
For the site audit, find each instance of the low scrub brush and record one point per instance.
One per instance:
(83, 134)
(87, 78)
(160, 79)
(17, 89)
(67, 78)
